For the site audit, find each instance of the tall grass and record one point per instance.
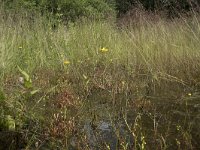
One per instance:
(162, 48)
(145, 60)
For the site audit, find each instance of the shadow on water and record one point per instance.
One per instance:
(160, 123)
(142, 122)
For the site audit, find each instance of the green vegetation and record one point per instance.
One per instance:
(142, 78)
(68, 10)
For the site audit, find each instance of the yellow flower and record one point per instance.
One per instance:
(104, 49)
(66, 62)
(20, 47)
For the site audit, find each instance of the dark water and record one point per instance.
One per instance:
(109, 125)
(157, 118)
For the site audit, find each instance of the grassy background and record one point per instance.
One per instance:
(147, 63)
(166, 47)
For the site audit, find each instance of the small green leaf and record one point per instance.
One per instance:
(10, 122)
(34, 91)
(28, 84)
(26, 76)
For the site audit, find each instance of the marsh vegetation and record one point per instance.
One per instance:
(99, 83)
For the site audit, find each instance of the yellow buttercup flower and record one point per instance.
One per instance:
(66, 62)
(104, 49)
